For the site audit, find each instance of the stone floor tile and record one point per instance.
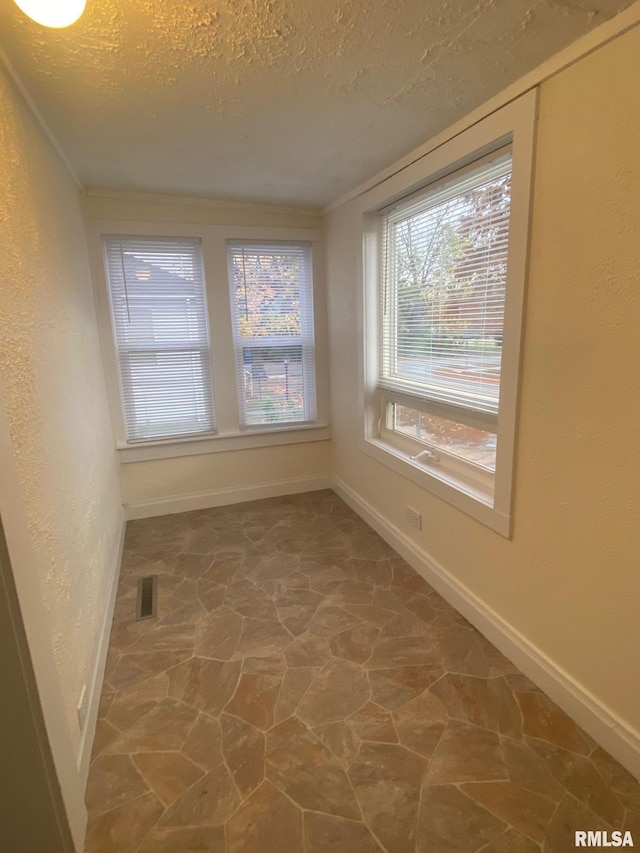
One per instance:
(168, 774)
(543, 719)
(267, 821)
(338, 689)
(405, 577)
(123, 829)
(371, 722)
(451, 822)
(345, 672)
(485, 702)
(255, 699)
(204, 839)
(165, 727)
(401, 651)
(376, 572)
(511, 842)
(243, 747)
(137, 699)
(210, 594)
(387, 779)
(396, 686)
(269, 665)
(467, 753)
(209, 802)
(568, 817)
(354, 644)
(222, 570)
(579, 776)
(527, 770)
(131, 669)
(371, 613)
(307, 771)
(420, 723)
(352, 592)
(203, 683)
(218, 634)
(341, 740)
(295, 684)
(246, 599)
(113, 782)
(329, 834)
(623, 784)
(330, 620)
(296, 608)
(262, 637)
(308, 650)
(323, 579)
(202, 746)
(457, 648)
(525, 811)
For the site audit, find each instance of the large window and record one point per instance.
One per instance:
(445, 248)
(204, 319)
(161, 335)
(442, 316)
(272, 315)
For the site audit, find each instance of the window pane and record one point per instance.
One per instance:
(158, 307)
(273, 384)
(443, 306)
(469, 443)
(271, 304)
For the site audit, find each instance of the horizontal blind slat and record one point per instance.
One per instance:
(161, 333)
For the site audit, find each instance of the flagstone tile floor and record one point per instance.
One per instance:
(303, 690)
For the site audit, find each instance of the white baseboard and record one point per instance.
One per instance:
(604, 726)
(95, 687)
(222, 497)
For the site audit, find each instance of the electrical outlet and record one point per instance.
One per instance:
(414, 518)
(83, 707)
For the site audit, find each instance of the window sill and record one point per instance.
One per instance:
(220, 443)
(469, 499)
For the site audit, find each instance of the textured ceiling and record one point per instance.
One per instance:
(283, 101)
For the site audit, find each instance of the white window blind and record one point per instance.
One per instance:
(159, 313)
(272, 316)
(444, 270)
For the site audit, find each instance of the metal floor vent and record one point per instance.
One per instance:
(147, 597)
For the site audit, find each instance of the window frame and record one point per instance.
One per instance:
(513, 125)
(228, 435)
(125, 356)
(305, 340)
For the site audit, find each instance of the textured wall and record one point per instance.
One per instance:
(568, 580)
(53, 386)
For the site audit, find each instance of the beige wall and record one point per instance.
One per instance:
(183, 482)
(568, 580)
(229, 472)
(52, 382)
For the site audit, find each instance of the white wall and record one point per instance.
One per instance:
(242, 471)
(568, 580)
(52, 383)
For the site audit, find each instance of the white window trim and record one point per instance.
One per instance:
(228, 435)
(513, 124)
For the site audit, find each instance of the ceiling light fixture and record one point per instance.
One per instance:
(53, 13)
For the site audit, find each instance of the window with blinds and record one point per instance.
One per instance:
(272, 315)
(444, 266)
(159, 315)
